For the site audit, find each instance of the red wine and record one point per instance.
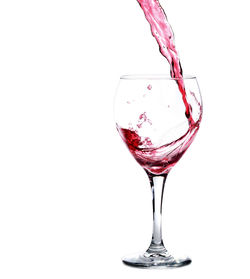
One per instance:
(157, 160)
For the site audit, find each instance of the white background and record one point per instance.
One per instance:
(72, 199)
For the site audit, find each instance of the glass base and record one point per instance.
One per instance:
(155, 260)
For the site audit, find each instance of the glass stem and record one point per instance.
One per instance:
(157, 186)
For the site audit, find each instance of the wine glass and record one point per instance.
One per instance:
(157, 117)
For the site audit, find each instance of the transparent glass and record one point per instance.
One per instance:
(151, 118)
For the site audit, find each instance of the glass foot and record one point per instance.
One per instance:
(154, 260)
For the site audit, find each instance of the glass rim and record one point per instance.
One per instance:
(154, 77)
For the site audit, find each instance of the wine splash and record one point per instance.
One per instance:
(159, 160)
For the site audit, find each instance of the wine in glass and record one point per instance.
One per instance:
(157, 121)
